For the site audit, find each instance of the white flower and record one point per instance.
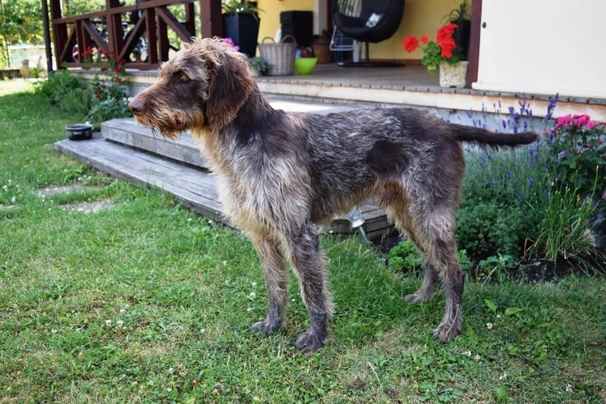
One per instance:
(53, 331)
(119, 323)
(13, 199)
(252, 295)
(503, 376)
(254, 284)
(108, 323)
(489, 326)
(569, 388)
(122, 310)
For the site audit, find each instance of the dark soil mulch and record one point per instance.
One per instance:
(527, 270)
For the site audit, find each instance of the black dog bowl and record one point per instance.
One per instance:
(79, 131)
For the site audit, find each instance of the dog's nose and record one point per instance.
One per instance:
(136, 106)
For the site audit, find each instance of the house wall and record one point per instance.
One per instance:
(421, 17)
(552, 46)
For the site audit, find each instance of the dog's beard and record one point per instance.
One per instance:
(171, 126)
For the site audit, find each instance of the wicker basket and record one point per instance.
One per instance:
(281, 56)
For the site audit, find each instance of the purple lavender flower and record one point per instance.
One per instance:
(551, 106)
(562, 155)
(551, 138)
(489, 182)
(530, 181)
(508, 175)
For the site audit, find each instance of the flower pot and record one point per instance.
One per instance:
(243, 29)
(453, 76)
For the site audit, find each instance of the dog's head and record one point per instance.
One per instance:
(202, 85)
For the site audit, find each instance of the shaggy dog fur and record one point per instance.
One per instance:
(282, 175)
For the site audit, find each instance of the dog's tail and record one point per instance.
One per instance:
(485, 138)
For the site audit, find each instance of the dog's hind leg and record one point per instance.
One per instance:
(428, 286)
(276, 282)
(307, 260)
(398, 212)
(436, 234)
(431, 228)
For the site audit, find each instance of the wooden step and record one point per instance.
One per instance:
(194, 188)
(127, 132)
(129, 153)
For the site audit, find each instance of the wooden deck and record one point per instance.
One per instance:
(129, 151)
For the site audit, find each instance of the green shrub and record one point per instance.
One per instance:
(67, 91)
(103, 98)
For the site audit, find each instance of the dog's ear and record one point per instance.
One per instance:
(230, 85)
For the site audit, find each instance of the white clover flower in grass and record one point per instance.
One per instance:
(252, 295)
(569, 388)
(503, 376)
(119, 323)
(489, 326)
(108, 323)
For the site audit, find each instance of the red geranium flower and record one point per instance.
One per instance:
(410, 43)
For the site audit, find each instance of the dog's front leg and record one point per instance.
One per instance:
(276, 282)
(307, 260)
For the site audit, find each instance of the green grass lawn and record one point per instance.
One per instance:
(148, 302)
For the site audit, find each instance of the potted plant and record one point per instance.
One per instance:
(443, 53)
(241, 24)
(462, 17)
(258, 66)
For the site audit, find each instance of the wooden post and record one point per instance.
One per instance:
(211, 18)
(59, 31)
(474, 42)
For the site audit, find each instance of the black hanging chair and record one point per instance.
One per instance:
(368, 21)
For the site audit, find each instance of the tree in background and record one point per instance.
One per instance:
(20, 22)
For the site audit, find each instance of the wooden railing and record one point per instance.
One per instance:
(80, 40)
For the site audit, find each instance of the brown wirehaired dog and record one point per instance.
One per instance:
(281, 175)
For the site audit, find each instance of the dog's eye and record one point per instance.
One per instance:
(183, 77)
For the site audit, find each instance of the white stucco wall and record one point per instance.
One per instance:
(543, 46)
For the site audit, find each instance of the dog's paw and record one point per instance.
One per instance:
(417, 298)
(267, 327)
(446, 331)
(310, 341)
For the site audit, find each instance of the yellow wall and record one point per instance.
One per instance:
(421, 17)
